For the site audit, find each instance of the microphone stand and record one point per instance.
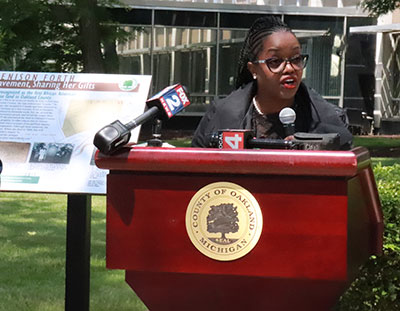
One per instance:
(156, 128)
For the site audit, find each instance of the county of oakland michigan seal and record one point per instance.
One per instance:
(224, 221)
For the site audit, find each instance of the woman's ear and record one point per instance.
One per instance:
(251, 67)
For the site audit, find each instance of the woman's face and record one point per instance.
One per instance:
(284, 84)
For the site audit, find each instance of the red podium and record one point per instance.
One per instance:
(321, 220)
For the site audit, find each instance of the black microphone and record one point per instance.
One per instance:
(287, 116)
(164, 104)
(243, 139)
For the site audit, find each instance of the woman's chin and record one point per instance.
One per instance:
(288, 93)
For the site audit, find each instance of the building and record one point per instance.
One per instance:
(386, 113)
(197, 43)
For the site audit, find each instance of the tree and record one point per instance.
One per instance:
(90, 35)
(380, 7)
(58, 35)
(223, 218)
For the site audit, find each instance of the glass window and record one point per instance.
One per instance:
(235, 20)
(359, 84)
(134, 53)
(395, 68)
(313, 3)
(186, 18)
(321, 38)
(186, 56)
(231, 42)
(291, 2)
(133, 17)
(161, 70)
(135, 64)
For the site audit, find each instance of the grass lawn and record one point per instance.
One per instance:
(377, 142)
(380, 144)
(32, 252)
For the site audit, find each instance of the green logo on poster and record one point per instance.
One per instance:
(128, 85)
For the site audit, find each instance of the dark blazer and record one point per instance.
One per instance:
(235, 112)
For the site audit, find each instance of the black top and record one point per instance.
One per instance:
(313, 114)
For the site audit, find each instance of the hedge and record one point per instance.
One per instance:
(378, 286)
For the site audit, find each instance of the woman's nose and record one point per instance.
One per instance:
(288, 66)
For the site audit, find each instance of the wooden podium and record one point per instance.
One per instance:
(321, 215)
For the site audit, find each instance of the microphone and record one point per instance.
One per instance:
(230, 139)
(170, 101)
(243, 139)
(287, 116)
(165, 104)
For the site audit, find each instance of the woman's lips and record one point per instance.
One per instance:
(289, 83)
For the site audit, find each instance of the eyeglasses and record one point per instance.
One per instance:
(278, 65)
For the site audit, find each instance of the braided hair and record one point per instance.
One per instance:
(253, 44)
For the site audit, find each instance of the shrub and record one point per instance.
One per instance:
(378, 286)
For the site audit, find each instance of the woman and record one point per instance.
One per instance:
(270, 72)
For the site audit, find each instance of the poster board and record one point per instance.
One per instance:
(48, 122)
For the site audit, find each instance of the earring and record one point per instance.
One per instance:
(254, 76)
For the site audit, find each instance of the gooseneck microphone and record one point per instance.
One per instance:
(287, 116)
(164, 104)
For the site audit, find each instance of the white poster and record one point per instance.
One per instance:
(48, 122)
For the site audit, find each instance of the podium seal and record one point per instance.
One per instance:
(224, 221)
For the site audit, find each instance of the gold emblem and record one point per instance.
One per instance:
(224, 221)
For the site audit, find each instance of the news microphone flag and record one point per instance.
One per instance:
(170, 101)
(230, 139)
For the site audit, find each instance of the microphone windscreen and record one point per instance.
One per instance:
(287, 116)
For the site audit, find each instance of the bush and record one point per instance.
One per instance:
(378, 286)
